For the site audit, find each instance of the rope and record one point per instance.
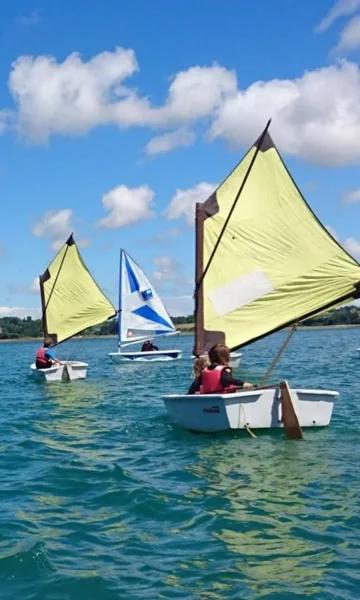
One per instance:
(277, 356)
(249, 431)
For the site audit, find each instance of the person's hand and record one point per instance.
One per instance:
(247, 385)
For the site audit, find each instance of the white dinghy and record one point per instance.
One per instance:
(71, 302)
(142, 316)
(264, 262)
(67, 371)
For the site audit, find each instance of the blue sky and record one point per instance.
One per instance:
(117, 116)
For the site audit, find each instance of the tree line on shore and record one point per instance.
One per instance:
(15, 328)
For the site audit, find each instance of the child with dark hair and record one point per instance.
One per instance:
(217, 377)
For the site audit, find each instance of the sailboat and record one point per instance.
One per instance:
(71, 302)
(264, 262)
(142, 316)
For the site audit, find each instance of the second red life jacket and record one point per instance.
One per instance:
(211, 381)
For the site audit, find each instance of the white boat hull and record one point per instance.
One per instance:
(68, 371)
(152, 356)
(256, 409)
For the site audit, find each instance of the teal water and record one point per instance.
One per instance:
(102, 498)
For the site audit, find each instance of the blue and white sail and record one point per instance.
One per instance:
(142, 314)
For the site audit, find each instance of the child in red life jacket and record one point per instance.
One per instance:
(217, 377)
(45, 357)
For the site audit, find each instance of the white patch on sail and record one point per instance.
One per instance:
(240, 292)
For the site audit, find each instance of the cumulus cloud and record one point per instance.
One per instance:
(196, 93)
(20, 311)
(168, 141)
(350, 244)
(29, 20)
(353, 246)
(315, 117)
(168, 234)
(74, 96)
(167, 268)
(32, 288)
(349, 37)
(341, 8)
(182, 204)
(352, 196)
(332, 232)
(179, 306)
(55, 225)
(126, 206)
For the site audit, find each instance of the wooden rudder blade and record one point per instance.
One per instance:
(289, 416)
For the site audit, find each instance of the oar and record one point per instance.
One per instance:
(289, 416)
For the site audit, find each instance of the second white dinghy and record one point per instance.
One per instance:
(142, 316)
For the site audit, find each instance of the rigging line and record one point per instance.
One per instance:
(277, 356)
(56, 278)
(258, 148)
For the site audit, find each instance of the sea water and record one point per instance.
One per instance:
(103, 498)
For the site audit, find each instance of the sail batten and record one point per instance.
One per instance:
(71, 299)
(276, 264)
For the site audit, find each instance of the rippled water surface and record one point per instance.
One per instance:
(102, 498)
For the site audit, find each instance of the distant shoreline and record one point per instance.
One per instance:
(186, 329)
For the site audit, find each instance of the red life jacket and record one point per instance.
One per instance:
(211, 381)
(40, 356)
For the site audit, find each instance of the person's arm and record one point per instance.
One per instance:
(155, 347)
(49, 354)
(195, 386)
(228, 379)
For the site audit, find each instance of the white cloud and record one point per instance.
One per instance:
(341, 8)
(29, 20)
(182, 204)
(349, 38)
(56, 226)
(33, 288)
(19, 311)
(352, 196)
(168, 141)
(74, 96)
(332, 232)
(127, 205)
(179, 306)
(171, 233)
(352, 246)
(196, 93)
(315, 117)
(167, 268)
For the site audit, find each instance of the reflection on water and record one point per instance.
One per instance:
(102, 497)
(265, 497)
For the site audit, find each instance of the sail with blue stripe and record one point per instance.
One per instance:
(142, 314)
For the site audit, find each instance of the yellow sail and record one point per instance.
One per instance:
(275, 263)
(71, 299)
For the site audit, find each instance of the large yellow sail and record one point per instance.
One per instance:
(71, 299)
(275, 263)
